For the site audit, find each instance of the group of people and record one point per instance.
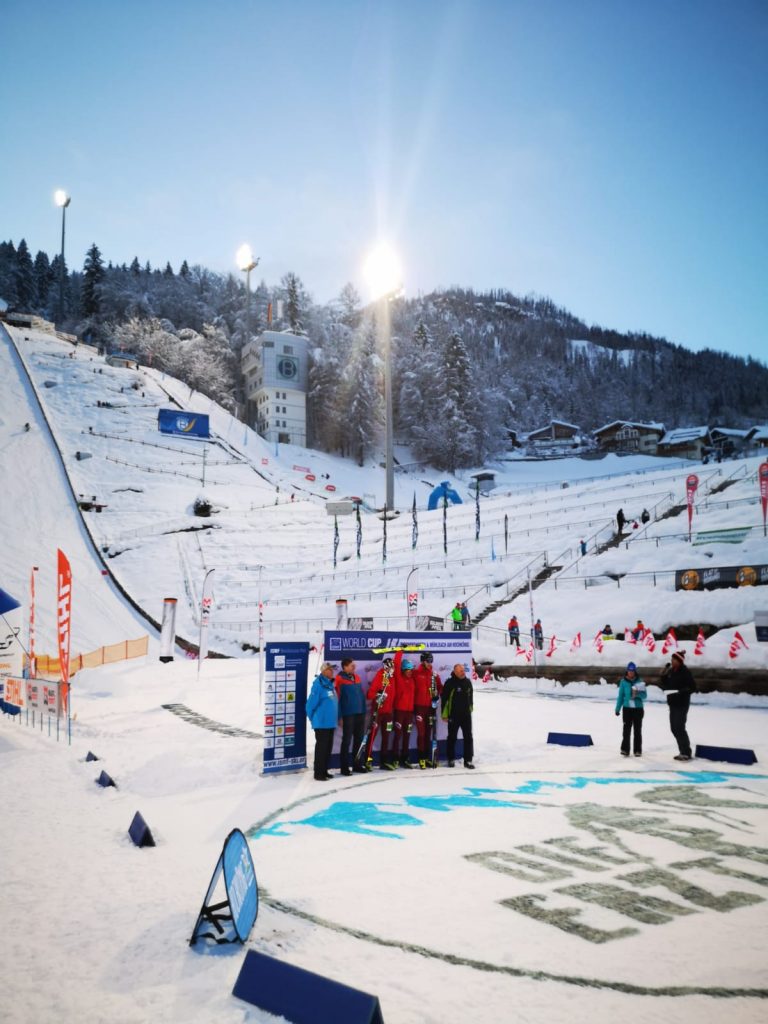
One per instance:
(402, 695)
(513, 628)
(677, 681)
(645, 517)
(460, 616)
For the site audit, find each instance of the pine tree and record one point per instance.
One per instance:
(168, 272)
(43, 278)
(24, 278)
(184, 269)
(93, 275)
(363, 394)
(135, 266)
(296, 301)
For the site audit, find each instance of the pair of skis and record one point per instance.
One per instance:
(435, 702)
(366, 747)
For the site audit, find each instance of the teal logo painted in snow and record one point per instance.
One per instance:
(384, 819)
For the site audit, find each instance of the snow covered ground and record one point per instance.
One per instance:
(551, 882)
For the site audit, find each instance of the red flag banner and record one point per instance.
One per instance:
(32, 658)
(762, 476)
(691, 485)
(63, 619)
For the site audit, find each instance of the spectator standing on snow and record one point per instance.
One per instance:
(514, 631)
(323, 714)
(620, 520)
(456, 616)
(645, 517)
(466, 620)
(405, 693)
(677, 681)
(457, 700)
(349, 691)
(428, 687)
(583, 546)
(385, 680)
(538, 634)
(629, 703)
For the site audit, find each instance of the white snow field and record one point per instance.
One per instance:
(551, 883)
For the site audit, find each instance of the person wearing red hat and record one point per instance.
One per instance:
(677, 681)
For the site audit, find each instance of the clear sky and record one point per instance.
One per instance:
(610, 154)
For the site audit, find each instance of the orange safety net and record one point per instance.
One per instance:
(49, 667)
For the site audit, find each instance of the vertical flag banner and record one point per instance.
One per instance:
(477, 511)
(32, 658)
(762, 476)
(690, 493)
(359, 535)
(445, 523)
(63, 620)
(335, 539)
(415, 524)
(384, 536)
(412, 593)
(506, 534)
(206, 601)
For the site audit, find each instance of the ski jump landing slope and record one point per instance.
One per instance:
(38, 515)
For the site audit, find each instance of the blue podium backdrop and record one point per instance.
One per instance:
(285, 702)
(447, 649)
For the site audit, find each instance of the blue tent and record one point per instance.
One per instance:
(443, 489)
(7, 603)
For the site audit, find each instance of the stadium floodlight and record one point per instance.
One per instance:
(62, 199)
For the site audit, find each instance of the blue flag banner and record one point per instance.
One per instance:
(477, 511)
(359, 538)
(285, 701)
(335, 539)
(230, 919)
(415, 527)
(384, 536)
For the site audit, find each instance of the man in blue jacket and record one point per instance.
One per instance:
(351, 696)
(323, 714)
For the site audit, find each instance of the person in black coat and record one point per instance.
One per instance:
(620, 520)
(456, 700)
(677, 681)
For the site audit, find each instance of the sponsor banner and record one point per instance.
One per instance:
(733, 536)
(430, 623)
(762, 475)
(15, 691)
(175, 421)
(11, 652)
(761, 625)
(285, 701)
(302, 469)
(64, 612)
(717, 577)
(361, 623)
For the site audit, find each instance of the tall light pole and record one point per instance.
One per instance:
(247, 263)
(382, 271)
(61, 199)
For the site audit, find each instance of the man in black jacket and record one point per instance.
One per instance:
(457, 712)
(678, 682)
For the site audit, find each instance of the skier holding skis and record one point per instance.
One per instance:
(457, 702)
(405, 687)
(427, 693)
(382, 693)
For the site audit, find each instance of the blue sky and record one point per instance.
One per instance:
(610, 154)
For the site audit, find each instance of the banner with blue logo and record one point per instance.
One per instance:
(285, 701)
(233, 917)
(187, 424)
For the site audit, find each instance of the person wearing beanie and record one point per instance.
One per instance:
(323, 713)
(677, 681)
(428, 687)
(405, 692)
(629, 702)
(383, 682)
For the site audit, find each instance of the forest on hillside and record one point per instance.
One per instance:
(468, 367)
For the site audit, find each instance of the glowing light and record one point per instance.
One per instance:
(382, 270)
(61, 198)
(244, 257)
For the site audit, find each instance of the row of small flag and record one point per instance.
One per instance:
(738, 643)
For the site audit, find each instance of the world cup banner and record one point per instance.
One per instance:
(63, 616)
